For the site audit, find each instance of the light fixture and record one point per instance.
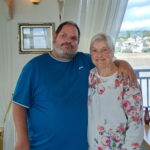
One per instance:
(60, 8)
(35, 1)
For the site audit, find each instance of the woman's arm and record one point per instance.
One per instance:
(133, 107)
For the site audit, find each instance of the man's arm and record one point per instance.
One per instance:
(20, 120)
(126, 72)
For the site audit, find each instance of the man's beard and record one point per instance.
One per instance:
(65, 54)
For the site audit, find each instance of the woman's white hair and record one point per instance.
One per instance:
(103, 37)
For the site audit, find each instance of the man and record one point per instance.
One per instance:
(50, 99)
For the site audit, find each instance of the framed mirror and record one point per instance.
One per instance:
(35, 38)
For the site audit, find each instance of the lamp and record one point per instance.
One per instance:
(60, 8)
(35, 1)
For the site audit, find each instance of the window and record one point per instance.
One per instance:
(133, 42)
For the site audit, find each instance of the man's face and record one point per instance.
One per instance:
(66, 42)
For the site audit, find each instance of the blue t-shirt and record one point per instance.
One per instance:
(55, 95)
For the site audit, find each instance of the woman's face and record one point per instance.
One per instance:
(101, 54)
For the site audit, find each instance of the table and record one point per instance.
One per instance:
(146, 141)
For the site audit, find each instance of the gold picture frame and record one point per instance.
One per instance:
(35, 38)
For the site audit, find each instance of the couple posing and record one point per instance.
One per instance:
(50, 100)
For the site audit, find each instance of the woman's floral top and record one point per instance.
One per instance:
(114, 114)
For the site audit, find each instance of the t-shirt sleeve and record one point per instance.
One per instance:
(25, 86)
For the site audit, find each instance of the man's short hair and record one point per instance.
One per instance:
(68, 23)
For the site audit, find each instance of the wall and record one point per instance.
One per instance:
(11, 62)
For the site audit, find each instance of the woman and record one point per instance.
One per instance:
(115, 108)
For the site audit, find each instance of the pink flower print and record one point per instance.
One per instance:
(98, 80)
(117, 82)
(99, 148)
(137, 119)
(126, 104)
(132, 111)
(134, 145)
(100, 128)
(121, 95)
(105, 140)
(101, 89)
(117, 138)
(121, 128)
(91, 81)
(137, 96)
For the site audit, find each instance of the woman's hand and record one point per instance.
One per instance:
(126, 72)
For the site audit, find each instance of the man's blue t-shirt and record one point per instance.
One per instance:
(55, 95)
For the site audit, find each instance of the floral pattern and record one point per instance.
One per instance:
(115, 114)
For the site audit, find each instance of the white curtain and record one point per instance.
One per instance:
(6, 54)
(95, 16)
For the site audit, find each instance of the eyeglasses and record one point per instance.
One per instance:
(105, 50)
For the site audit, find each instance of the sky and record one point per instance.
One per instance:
(137, 15)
